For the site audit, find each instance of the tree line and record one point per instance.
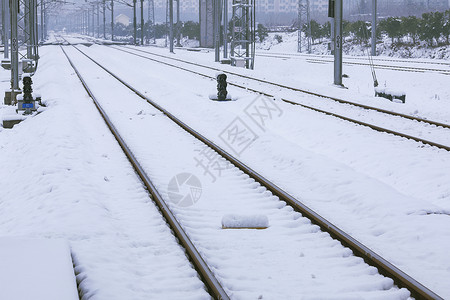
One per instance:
(188, 29)
(433, 28)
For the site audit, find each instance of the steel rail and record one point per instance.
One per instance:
(200, 265)
(368, 107)
(384, 67)
(372, 126)
(375, 58)
(417, 290)
(301, 55)
(377, 66)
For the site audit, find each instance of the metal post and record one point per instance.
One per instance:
(5, 26)
(304, 21)
(45, 20)
(167, 24)
(88, 20)
(178, 24)
(27, 27)
(112, 20)
(98, 19)
(35, 30)
(93, 20)
(104, 19)
(374, 28)
(171, 25)
(142, 22)
(225, 28)
(338, 42)
(243, 33)
(216, 17)
(134, 22)
(14, 9)
(151, 20)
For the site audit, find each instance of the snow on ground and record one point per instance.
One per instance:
(29, 269)
(64, 176)
(289, 44)
(249, 264)
(390, 193)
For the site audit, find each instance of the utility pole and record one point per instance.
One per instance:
(304, 21)
(178, 24)
(93, 19)
(374, 28)
(42, 20)
(338, 42)
(225, 29)
(45, 20)
(98, 19)
(216, 22)
(142, 22)
(112, 20)
(151, 20)
(171, 25)
(134, 22)
(85, 21)
(5, 27)
(27, 26)
(14, 10)
(104, 19)
(34, 28)
(243, 34)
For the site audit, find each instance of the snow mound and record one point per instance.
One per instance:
(38, 269)
(249, 221)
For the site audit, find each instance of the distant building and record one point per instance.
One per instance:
(285, 11)
(122, 19)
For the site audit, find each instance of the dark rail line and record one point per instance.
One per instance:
(374, 58)
(372, 126)
(297, 90)
(377, 66)
(384, 267)
(200, 265)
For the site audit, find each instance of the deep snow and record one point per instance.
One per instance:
(391, 194)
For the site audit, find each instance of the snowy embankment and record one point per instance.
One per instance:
(352, 175)
(38, 269)
(64, 176)
(384, 48)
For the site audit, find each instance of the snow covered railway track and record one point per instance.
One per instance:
(205, 273)
(405, 126)
(384, 267)
(384, 67)
(377, 60)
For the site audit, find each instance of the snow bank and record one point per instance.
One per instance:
(249, 221)
(38, 269)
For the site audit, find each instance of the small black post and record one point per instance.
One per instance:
(27, 94)
(222, 87)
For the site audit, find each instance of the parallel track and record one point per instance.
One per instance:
(375, 58)
(376, 65)
(321, 58)
(372, 126)
(400, 278)
(202, 268)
